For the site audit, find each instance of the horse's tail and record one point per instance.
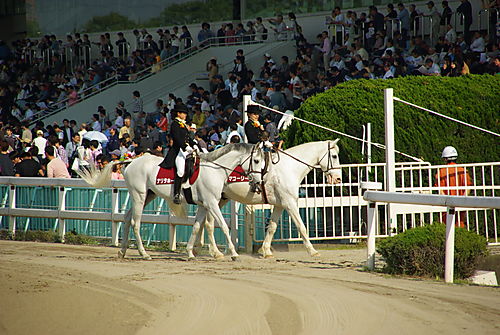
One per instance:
(98, 178)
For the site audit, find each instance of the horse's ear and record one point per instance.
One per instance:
(335, 142)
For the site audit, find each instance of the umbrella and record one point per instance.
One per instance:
(95, 135)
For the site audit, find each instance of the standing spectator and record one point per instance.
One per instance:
(404, 19)
(121, 43)
(56, 167)
(67, 132)
(260, 30)
(72, 148)
(137, 103)
(326, 48)
(96, 125)
(205, 33)
(445, 18)
(279, 27)
(465, 8)
(414, 22)
(176, 42)
(40, 142)
(26, 136)
(186, 38)
(433, 13)
(28, 167)
(6, 165)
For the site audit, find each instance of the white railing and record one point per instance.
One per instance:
(450, 202)
(333, 212)
(115, 214)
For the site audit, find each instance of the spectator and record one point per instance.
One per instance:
(28, 167)
(465, 9)
(6, 165)
(126, 129)
(137, 103)
(40, 142)
(55, 168)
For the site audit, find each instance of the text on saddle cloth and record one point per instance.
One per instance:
(238, 175)
(167, 176)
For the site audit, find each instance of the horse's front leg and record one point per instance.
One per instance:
(293, 210)
(271, 229)
(200, 217)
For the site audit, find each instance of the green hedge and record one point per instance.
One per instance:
(421, 251)
(348, 106)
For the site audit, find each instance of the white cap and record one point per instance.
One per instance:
(267, 55)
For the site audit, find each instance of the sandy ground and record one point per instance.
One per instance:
(62, 289)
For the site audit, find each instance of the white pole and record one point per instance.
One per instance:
(390, 174)
(62, 208)
(369, 144)
(370, 257)
(449, 260)
(12, 205)
(114, 210)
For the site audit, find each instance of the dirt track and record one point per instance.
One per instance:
(61, 289)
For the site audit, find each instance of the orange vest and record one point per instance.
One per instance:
(451, 178)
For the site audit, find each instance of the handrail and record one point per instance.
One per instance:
(398, 25)
(487, 11)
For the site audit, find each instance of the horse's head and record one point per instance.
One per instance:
(329, 162)
(255, 164)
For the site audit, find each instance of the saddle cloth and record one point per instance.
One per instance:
(237, 175)
(167, 176)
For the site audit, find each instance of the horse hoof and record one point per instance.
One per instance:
(191, 258)
(268, 256)
(146, 257)
(235, 258)
(219, 256)
(316, 254)
(121, 254)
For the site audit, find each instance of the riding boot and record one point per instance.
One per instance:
(177, 190)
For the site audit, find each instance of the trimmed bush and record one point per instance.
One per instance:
(72, 237)
(37, 236)
(421, 252)
(348, 106)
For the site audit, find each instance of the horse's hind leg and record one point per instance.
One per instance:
(131, 213)
(125, 230)
(200, 217)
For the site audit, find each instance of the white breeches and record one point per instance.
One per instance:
(180, 164)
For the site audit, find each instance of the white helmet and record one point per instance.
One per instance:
(449, 153)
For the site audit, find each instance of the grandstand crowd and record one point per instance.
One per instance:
(351, 47)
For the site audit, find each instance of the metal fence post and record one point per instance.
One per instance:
(449, 260)
(62, 208)
(12, 205)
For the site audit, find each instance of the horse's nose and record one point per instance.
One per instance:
(337, 180)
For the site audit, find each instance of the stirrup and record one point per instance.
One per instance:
(177, 199)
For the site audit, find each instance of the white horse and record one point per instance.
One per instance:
(282, 182)
(140, 177)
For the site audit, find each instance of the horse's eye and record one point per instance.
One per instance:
(256, 161)
(334, 156)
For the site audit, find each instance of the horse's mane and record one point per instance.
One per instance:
(216, 154)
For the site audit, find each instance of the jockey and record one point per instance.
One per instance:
(253, 128)
(182, 146)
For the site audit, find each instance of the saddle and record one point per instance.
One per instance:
(191, 173)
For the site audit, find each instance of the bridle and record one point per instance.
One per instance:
(329, 164)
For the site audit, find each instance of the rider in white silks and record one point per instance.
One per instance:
(182, 146)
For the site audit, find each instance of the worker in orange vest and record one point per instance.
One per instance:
(453, 180)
